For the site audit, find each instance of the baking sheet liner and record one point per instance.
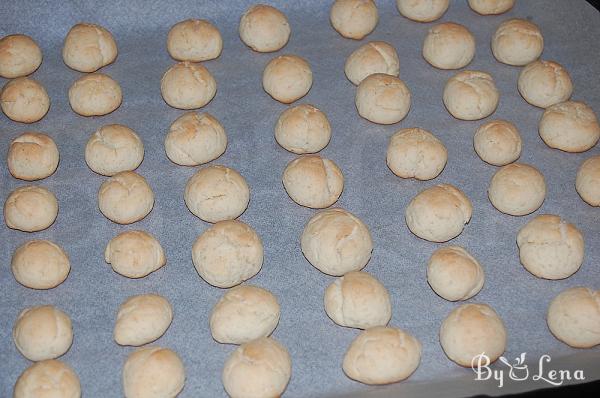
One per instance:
(93, 292)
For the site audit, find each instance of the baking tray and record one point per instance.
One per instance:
(93, 292)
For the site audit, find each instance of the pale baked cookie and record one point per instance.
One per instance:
(354, 19)
(243, 314)
(574, 317)
(313, 181)
(153, 372)
(287, 78)
(30, 208)
(517, 189)
(32, 156)
(416, 153)
(48, 379)
(188, 85)
(19, 56)
(517, 42)
(382, 355)
(358, 300)
(194, 139)
(259, 368)
(470, 330)
(336, 242)
(449, 46)
(217, 193)
(550, 247)
(471, 95)
(40, 264)
(439, 213)
(24, 100)
(142, 319)
(89, 47)
(228, 253)
(303, 129)
(370, 58)
(42, 332)
(588, 181)
(422, 10)
(125, 198)
(570, 126)
(194, 40)
(264, 28)
(498, 142)
(95, 94)
(114, 148)
(491, 7)
(134, 254)
(382, 99)
(545, 83)
(454, 274)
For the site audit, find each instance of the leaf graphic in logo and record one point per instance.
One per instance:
(519, 367)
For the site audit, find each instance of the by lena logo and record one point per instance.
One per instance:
(519, 371)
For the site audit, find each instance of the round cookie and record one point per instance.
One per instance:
(370, 58)
(354, 19)
(574, 317)
(382, 99)
(449, 46)
(48, 379)
(89, 47)
(40, 264)
(497, 142)
(570, 126)
(153, 372)
(545, 83)
(264, 28)
(134, 254)
(471, 95)
(550, 247)
(336, 242)
(588, 181)
(142, 319)
(470, 330)
(313, 181)
(416, 153)
(114, 148)
(491, 7)
(30, 208)
(194, 139)
(259, 368)
(454, 274)
(19, 56)
(303, 129)
(517, 189)
(517, 42)
(358, 300)
(382, 355)
(24, 100)
(217, 193)
(228, 253)
(439, 213)
(42, 332)
(32, 156)
(187, 85)
(125, 198)
(95, 94)
(194, 40)
(422, 10)
(287, 78)
(243, 314)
